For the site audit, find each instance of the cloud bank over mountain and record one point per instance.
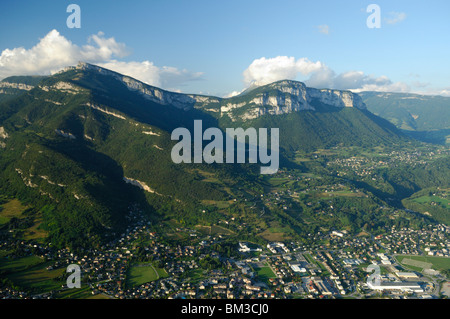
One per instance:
(267, 70)
(54, 52)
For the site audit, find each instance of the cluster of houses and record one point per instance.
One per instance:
(433, 241)
(365, 166)
(328, 265)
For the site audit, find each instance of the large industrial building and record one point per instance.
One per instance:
(402, 286)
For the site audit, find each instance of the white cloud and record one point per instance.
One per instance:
(325, 29)
(395, 17)
(445, 92)
(54, 52)
(386, 87)
(267, 70)
(234, 93)
(164, 77)
(357, 81)
(263, 71)
(437, 91)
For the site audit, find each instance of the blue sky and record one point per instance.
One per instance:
(217, 47)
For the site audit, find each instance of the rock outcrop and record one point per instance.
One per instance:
(285, 97)
(277, 98)
(179, 100)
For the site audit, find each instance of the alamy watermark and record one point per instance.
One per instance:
(213, 152)
(373, 20)
(374, 280)
(73, 20)
(74, 280)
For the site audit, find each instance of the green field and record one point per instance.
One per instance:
(424, 262)
(264, 273)
(15, 265)
(214, 230)
(84, 292)
(3, 220)
(31, 273)
(428, 199)
(195, 275)
(14, 209)
(279, 183)
(343, 193)
(219, 204)
(143, 273)
(11, 209)
(39, 279)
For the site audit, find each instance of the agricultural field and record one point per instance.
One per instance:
(11, 209)
(8, 265)
(421, 263)
(14, 209)
(443, 202)
(142, 273)
(277, 184)
(343, 193)
(84, 292)
(264, 273)
(31, 273)
(35, 232)
(214, 230)
(274, 235)
(218, 204)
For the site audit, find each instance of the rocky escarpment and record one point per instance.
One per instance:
(13, 89)
(336, 98)
(157, 95)
(18, 86)
(277, 98)
(285, 97)
(3, 136)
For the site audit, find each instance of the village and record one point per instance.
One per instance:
(277, 270)
(390, 260)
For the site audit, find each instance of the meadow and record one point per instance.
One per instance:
(139, 274)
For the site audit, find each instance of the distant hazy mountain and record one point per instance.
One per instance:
(422, 116)
(87, 144)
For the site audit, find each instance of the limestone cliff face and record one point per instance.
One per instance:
(9, 88)
(182, 101)
(337, 98)
(19, 86)
(285, 97)
(277, 98)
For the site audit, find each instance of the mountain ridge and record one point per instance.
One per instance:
(424, 117)
(285, 96)
(289, 96)
(87, 143)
